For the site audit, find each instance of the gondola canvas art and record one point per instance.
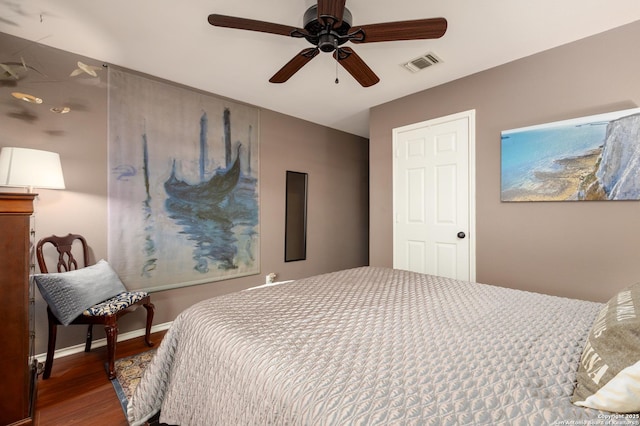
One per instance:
(583, 159)
(183, 185)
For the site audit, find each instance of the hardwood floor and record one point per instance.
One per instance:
(79, 392)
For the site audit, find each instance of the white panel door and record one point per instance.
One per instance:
(433, 197)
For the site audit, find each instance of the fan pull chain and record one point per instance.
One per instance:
(337, 59)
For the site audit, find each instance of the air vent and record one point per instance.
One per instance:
(422, 62)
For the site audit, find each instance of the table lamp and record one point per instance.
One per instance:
(30, 168)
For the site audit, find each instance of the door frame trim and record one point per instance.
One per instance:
(470, 115)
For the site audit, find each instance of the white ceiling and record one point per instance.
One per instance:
(174, 41)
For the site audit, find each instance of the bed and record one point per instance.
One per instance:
(371, 345)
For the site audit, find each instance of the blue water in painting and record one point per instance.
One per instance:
(217, 229)
(527, 151)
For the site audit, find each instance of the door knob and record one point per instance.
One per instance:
(461, 235)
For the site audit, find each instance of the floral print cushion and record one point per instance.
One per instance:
(115, 304)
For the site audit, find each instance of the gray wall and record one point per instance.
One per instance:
(337, 164)
(585, 250)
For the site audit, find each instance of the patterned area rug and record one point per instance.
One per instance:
(128, 373)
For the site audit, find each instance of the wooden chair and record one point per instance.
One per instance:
(67, 262)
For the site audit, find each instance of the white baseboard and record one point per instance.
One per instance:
(59, 353)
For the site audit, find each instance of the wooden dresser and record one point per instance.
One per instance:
(17, 364)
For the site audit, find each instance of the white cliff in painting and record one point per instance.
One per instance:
(618, 172)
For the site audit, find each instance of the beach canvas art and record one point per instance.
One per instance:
(583, 159)
(183, 185)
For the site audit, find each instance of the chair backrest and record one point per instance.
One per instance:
(64, 246)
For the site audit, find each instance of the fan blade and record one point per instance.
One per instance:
(356, 66)
(333, 8)
(294, 65)
(253, 25)
(418, 29)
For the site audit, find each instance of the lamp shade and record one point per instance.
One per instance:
(30, 168)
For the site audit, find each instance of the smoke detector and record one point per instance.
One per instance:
(422, 62)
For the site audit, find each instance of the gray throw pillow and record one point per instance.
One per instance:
(609, 370)
(68, 294)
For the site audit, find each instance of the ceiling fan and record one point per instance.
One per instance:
(327, 26)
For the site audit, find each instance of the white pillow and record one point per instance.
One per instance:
(620, 395)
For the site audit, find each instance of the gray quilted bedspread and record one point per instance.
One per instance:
(370, 346)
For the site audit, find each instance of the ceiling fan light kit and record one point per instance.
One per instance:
(326, 31)
(327, 26)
